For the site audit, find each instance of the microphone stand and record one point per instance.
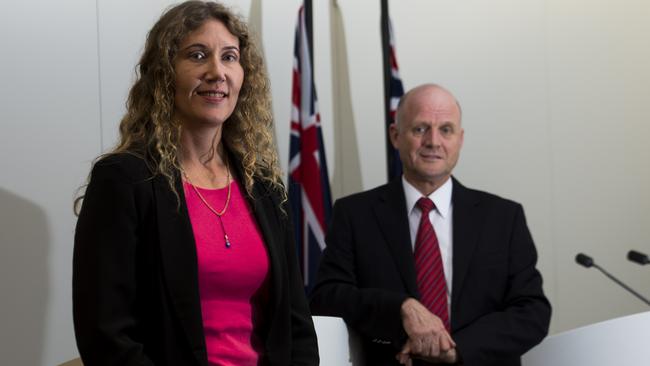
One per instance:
(621, 284)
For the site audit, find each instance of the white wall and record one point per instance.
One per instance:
(554, 95)
(49, 106)
(598, 109)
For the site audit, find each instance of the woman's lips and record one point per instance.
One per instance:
(213, 95)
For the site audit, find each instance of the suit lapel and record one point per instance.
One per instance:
(466, 226)
(390, 211)
(179, 260)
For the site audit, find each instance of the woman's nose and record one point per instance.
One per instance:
(215, 71)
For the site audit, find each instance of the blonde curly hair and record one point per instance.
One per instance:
(148, 128)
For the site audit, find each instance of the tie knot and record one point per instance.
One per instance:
(426, 205)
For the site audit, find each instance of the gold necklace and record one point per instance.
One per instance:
(205, 202)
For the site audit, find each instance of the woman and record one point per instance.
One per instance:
(183, 253)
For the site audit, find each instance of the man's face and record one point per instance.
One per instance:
(428, 136)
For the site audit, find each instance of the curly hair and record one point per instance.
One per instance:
(148, 128)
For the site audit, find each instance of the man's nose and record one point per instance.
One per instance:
(432, 137)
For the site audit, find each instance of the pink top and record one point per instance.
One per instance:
(232, 281)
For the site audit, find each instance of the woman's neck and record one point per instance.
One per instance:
(203, 158)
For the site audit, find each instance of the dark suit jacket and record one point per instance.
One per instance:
(135, 277)
(498, 308)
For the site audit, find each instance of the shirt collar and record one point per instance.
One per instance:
(441, 197)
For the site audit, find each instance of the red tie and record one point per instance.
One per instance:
(428, 265)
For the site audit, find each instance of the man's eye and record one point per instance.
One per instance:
(419, 130)
(446, 130)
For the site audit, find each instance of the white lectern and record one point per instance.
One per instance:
(336, 345)
(620, 341)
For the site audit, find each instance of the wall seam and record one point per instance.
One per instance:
(552, 171)
(99, 81)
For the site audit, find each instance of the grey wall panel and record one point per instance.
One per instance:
(49, 108)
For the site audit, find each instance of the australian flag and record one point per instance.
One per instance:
(393, 90)
(309, 190)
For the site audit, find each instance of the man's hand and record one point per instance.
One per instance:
(404, 356)
(428, 338)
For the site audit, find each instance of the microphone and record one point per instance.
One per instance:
(637, 257)
(584, 260)
(587, 261)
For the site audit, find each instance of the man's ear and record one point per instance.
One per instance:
(462, 136)
(393, 132)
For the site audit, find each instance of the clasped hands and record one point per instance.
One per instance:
(427, 337)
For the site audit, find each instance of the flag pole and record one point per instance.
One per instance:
(310, 33)
(385, 48)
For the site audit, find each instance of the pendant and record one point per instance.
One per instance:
(225, 236)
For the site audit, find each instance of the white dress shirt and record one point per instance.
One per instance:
(441, 219)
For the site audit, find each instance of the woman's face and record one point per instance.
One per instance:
(209, 75)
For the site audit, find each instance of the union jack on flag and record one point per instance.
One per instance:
(309, 190)
(395, 92)
(396, 87)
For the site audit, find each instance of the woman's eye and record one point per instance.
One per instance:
(197, 55)
(230, 58)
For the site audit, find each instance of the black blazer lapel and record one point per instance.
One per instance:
(179, 261)
(392, 220)
(466, 226)
(263, 205)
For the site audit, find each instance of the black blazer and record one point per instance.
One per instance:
(498, 308)
(135, 276)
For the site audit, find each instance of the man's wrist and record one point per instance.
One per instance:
(407, 305)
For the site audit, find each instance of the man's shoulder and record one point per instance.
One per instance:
(365, 197)
(477, 196)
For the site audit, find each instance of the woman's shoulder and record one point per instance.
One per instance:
(267, 188)
(126, 166)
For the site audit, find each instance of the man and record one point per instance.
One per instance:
(426, 270)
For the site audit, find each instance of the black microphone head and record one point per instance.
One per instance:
(638, 257)
(584, 260)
